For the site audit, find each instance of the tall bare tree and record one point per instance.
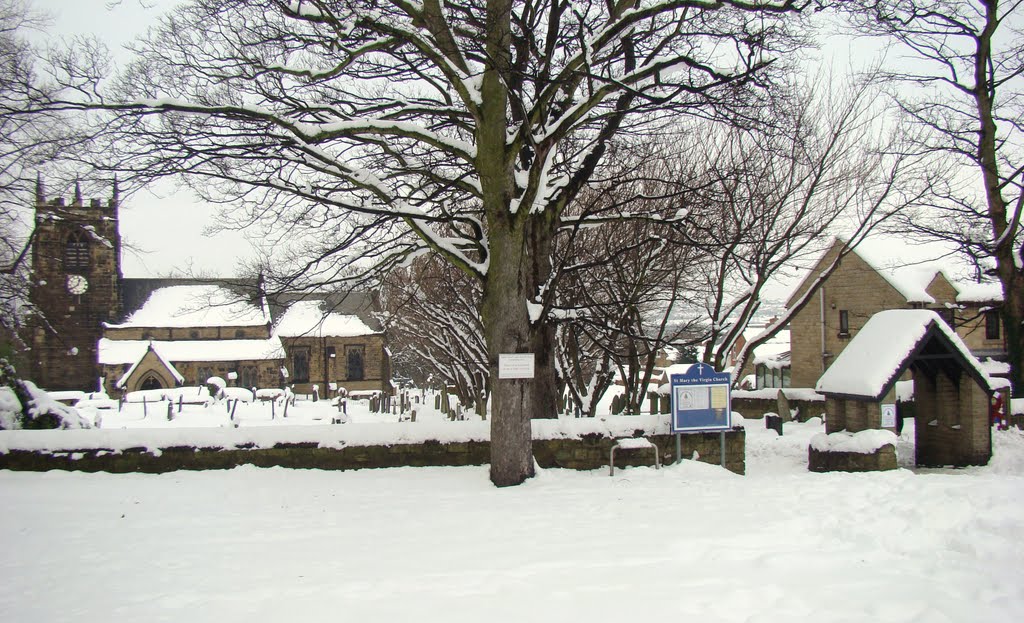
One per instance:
(773, 197)
(392, 117)
(23, 145)
(961, 76)
(430, 312)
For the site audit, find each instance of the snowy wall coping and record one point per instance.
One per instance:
(771, 393)
(325, 436)
(864, 442)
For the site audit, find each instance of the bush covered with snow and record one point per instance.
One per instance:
(23, 405)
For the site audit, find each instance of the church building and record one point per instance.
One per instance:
(92, 326)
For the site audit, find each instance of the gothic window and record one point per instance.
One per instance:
(151, 382)
(249, 376)
(76, 253)
(300, 364)
(992, 325)
(354, 363)
(203, 373)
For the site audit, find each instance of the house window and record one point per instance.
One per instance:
(239, 333)
(354, 363)
(992, 325)
(844, 322)
(76, 252)
(300, 365)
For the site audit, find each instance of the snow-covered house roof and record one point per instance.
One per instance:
(196, 306)
(310, 319)
(116, 352)
(913, 278)
(776, 349)
(886, 346)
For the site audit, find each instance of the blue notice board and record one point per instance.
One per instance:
(701, 400)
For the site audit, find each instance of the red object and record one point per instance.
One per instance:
(998, 412)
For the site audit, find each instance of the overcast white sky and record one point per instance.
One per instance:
(165, 228)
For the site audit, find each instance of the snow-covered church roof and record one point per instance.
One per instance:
(196, 306)
(881, 351)
(310, 319)
(118, 352)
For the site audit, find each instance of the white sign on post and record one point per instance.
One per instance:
(889, 416)
(515, 366)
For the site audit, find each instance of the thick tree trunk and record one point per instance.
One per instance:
(1009, 274)
(1013, 321)
(507, 329)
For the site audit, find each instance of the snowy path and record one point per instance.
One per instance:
(440, 544)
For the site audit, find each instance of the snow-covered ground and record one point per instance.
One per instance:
(688, 542)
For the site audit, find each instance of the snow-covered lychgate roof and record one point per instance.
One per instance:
(197, 306)
(885, 347)
(309, 319)
(116, 352)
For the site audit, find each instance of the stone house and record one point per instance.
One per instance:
(861, 286)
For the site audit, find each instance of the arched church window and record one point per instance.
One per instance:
(354, 361)
(76, 252)
(151, 382)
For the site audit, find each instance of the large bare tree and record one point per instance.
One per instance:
(382, 128)
(24, 143)
(431, 315)
(960, 72)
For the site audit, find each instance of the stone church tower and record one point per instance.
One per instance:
(75, 287)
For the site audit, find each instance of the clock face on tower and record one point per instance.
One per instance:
(77, 284)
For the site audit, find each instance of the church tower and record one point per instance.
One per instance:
(75, 287)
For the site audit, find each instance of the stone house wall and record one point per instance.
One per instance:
(854, 287)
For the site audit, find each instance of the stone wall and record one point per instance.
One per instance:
(268, 372)
(755, 408)
(952, 421)
(882, 459)
(587, 453)
(167, 334)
